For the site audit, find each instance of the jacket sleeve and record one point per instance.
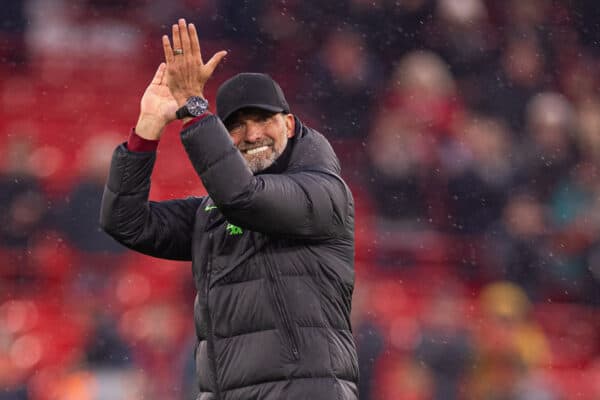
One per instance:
(160, 229)
(307, 203)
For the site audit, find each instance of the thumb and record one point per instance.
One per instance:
(215, 60)
(158, 76)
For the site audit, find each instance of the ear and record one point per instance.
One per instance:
(290, 125)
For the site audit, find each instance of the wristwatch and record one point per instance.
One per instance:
(193, 107)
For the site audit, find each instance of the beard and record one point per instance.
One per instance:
(263, 159)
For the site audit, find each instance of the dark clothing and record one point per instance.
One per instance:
(272, 259)
(80, 222)
(474, 201)
(23, 210)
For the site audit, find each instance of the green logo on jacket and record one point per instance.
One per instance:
(233, 230)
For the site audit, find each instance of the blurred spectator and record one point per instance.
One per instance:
(23, 206)
(579, 79)
(106, 348)
(347, 78)
(412, 124)
(423, 91)
(549, 145)
(462, 34)
(480, 174)
(575, 200)
(518, 77)
(399, 159)
(516, 248)
(508, 309)
(79, 217)
(156, 329)
(575, 216)
(509, 346)
(445, 346)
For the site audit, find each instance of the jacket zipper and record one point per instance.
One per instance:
(280, 305)
(211, 340)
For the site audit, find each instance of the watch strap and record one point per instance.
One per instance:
(183, 112)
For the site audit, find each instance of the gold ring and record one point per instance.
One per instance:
(178, 52)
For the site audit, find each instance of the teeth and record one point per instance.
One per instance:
(257, 150)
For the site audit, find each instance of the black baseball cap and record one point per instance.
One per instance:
(250, 89)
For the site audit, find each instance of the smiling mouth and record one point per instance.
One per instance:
(256, 150)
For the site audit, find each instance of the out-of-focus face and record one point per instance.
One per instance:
(261, 136)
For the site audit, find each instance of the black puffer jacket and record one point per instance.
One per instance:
(272, 261)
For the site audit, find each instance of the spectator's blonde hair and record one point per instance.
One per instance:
(424, 71)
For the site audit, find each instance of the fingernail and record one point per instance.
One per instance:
(182, 21)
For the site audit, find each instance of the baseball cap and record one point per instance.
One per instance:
(250, 89)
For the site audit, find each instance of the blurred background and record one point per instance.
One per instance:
(468, 130)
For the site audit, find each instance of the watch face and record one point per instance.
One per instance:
(196, 105)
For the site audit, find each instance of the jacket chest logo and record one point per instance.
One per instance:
(232, 230)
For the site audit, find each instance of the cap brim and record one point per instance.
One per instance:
(253, 105)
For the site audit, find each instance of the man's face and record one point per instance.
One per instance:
(261, 136)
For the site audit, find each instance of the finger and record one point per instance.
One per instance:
(176, 37)
(194, 42)
(215, 60)
(185, 38)
(159, 74)
(169, 57)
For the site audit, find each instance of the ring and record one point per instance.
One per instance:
(178, 52)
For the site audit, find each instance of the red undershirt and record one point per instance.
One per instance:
(139, 144)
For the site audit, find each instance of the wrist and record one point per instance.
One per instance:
(149, 127)
(136, 143)
(183, 97)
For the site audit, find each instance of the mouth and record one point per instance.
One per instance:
(256, 150)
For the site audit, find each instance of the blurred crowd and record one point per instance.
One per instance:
(468, 130)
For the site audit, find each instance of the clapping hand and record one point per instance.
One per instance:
(186, 72)
(183, 75)
(157, 107)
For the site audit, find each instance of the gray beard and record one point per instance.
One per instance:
(257, 164)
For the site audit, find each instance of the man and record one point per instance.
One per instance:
(271, 245)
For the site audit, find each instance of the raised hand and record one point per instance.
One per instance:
(157, 107)
(186, 72)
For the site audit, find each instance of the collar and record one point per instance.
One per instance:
(281, 163)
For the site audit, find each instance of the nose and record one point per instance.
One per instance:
(253, 132)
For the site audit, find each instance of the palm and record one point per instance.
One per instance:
(158, 101)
